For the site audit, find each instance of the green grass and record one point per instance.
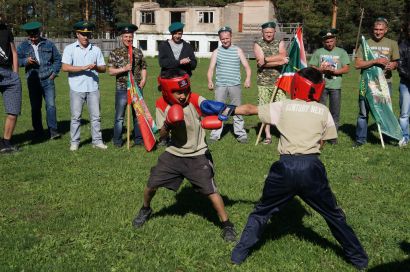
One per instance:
(72, 211)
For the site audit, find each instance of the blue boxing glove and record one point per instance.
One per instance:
(211, 107)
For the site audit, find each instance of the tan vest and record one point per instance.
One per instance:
(302, 125)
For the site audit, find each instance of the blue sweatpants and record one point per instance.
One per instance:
(305, 176)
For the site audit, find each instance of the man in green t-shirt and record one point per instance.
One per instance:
(386, 53)
(332, 62)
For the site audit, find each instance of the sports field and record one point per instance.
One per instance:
(72, 211)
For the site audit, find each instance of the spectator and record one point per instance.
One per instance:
(119, 65)
(332, 62)
(227, 59)
(404, 73)
(176, 53)
(386, 52)
(83, 61)
(42, 63)
(270, 55)
(10, 85)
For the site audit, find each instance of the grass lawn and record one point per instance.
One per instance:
(72, 211)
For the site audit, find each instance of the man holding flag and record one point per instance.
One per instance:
(270, 55)
(385, 54)
(119, 65)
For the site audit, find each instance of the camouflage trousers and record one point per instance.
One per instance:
(265, 94)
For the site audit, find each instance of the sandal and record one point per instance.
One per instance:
(267, 141)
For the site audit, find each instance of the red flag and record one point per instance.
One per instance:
(297, 61)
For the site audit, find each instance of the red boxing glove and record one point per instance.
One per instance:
(211, 122)
(174, 117)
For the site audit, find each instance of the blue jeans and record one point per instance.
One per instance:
(334, 103)
(120, 106)
(77, 100)
(39, 88)
(363, 118)
(404, 108)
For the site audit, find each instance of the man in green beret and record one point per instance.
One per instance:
(10, 85)
(176, 53)
(119, 64)
(270, 55)
(83, 61)
(42, 62)
(332, 62)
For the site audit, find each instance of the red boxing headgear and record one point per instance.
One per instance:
(304, 89)
(175, 84)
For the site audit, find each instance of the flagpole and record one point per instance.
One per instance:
(380, 134)
(358, 32)
(128, 125)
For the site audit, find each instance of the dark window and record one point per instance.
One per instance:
(195, 45)
(158, 43)
(206, 17)
(148, 17)
(143, 44)
(177, 16)
(212, 46)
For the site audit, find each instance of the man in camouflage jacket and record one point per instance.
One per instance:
(119, 65)
(270, 55)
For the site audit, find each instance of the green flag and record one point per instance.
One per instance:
(373, 86)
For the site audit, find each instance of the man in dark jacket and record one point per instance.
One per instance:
(42, 61)
(404, 73)
(176, 53)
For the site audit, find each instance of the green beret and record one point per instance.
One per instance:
(225, 29)
(269, 24)
(126, 28)
(328, 33)
(84, 26)
(175, 26)
(31, 26)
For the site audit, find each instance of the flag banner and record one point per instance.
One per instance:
(145, 121)
(297, 61)
(373, 86)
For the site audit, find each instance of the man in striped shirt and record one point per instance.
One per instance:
(227, 59)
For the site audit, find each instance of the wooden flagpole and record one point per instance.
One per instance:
(380, 134)
(334, 14)
(358, 32)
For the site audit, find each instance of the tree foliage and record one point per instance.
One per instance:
(58, 16)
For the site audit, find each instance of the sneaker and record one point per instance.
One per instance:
(100, 146)
(357, 144)
(243, 140)
(212, 140)
(142, 217)
(229, 234)
(403, 142)
(7, 148)
(55, 135)
(74, 147)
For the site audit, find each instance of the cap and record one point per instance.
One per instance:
(270, 24)
(175, 26)
(328, 33)
(32, 27)
(84, 26)
(225, 29)
(126, 28)
(381, 19)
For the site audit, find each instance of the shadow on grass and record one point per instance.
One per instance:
(372, 131)
(273, 130)
(402, 266)
(228, 128)
(190, 201)
(281, 224)
(30, 138)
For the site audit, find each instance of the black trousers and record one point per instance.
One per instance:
(306, 177)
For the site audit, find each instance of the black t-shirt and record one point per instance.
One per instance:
(6, 37)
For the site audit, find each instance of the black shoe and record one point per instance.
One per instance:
(7, 148)
(142, 217)
(55, 135)
(357, 144)
(228, 233)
